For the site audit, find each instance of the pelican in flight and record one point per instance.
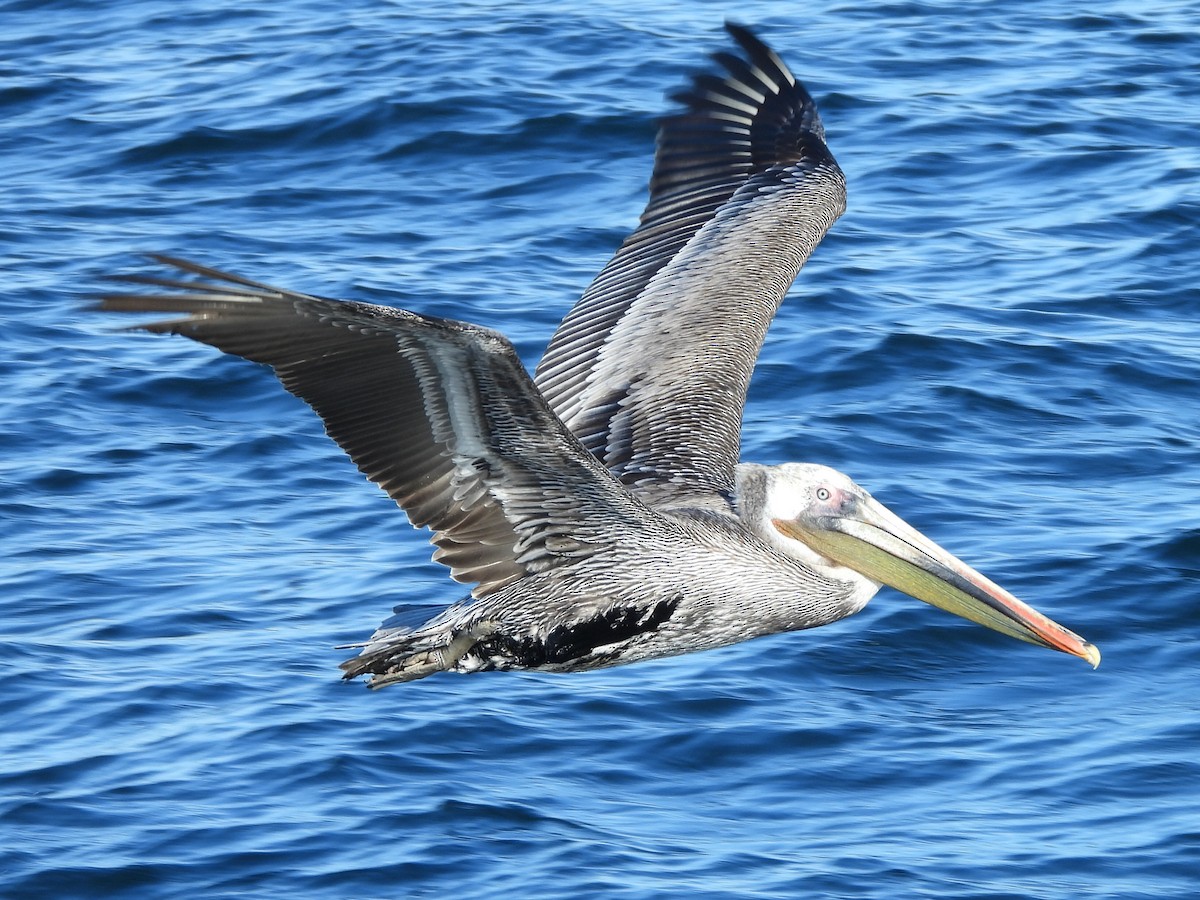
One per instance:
(599, 508)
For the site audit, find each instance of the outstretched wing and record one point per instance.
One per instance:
(651, 366)
(440, 414)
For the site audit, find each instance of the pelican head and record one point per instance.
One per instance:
(821, 517)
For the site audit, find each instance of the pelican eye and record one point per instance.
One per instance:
(823, 494)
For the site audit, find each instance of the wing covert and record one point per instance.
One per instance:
(651, 366)
(440, 414)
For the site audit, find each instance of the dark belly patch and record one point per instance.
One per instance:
(581, 639)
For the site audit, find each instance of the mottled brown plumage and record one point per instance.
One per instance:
(601, 514)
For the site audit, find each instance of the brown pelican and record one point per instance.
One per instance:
(599, 508)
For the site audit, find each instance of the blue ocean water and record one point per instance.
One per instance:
(999, 340)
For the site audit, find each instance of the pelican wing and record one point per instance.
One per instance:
(651, 366)
(440, 414)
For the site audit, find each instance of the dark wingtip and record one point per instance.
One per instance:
(746, 39)
(740, 32)
(754, 49)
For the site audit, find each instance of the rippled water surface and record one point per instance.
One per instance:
(999, 340)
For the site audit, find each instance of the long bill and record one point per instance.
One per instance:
(875, 542)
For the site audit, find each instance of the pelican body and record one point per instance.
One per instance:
(599, 508)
